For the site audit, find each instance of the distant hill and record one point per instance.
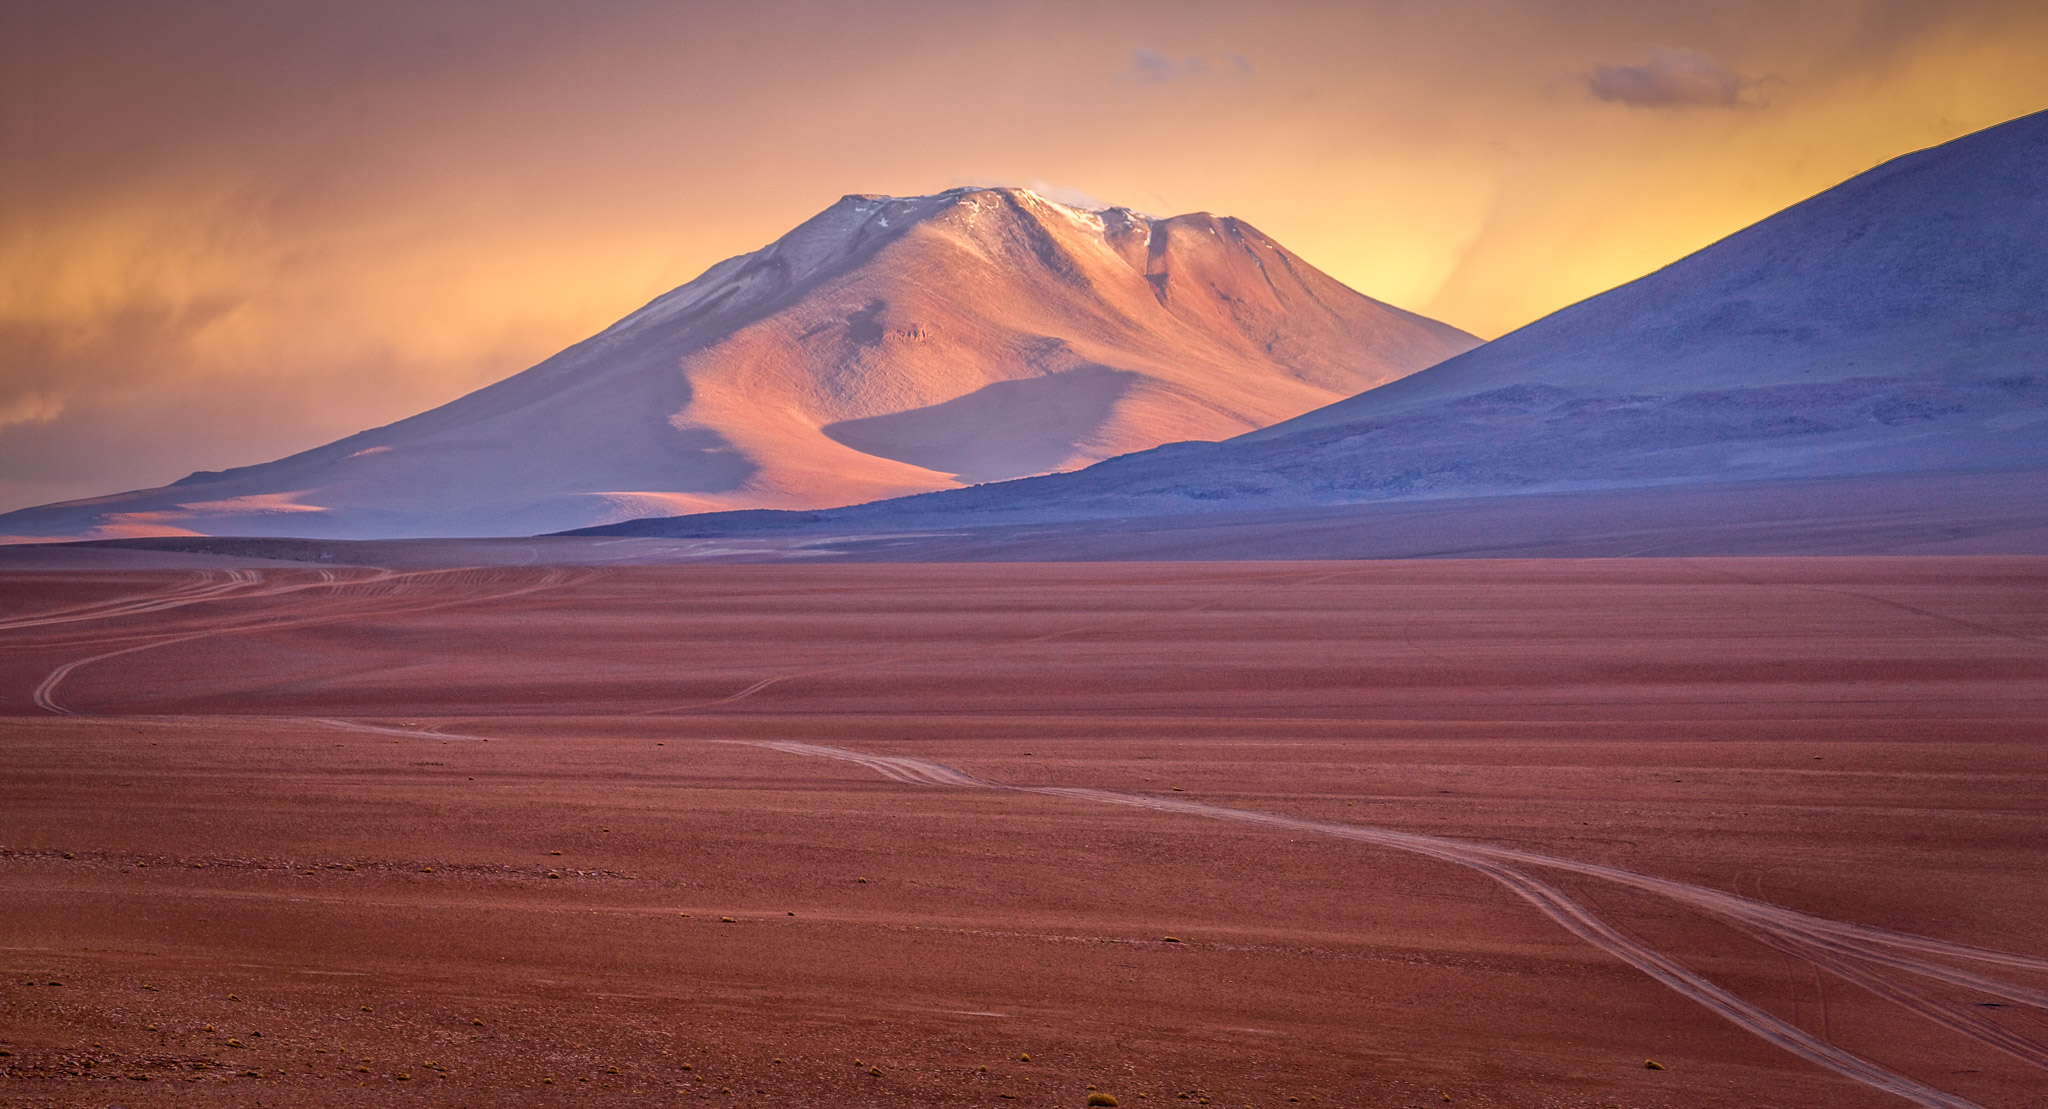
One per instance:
(885, 346)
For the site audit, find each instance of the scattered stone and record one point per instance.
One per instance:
(1652, 1064)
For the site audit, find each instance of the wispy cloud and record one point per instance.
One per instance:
(1151, 67)
(31, 408)
(1671, 78)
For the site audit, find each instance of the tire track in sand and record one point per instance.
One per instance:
(385, 586)
(208, 586)
(1859, 953)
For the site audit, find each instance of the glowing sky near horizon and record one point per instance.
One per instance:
(232, 231)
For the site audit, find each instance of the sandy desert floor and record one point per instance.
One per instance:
(1336, 834)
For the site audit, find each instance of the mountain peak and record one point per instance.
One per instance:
(1004, 226)
(885, 345)
(1016, 193)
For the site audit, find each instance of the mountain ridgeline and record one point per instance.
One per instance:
(1894, 325)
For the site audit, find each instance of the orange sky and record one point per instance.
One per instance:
(230, 231)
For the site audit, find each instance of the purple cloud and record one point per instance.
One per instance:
(1151, 67)
(1670, 79)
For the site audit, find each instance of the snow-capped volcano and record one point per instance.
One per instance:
(885, 346)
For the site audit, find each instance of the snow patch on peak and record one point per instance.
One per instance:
(1091, 218)
(1036, 194)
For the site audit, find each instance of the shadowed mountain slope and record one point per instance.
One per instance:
(886, 346)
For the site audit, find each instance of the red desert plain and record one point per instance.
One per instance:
(1739, 832)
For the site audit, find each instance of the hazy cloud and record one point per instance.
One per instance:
(1670, 79)
(1149, 66)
